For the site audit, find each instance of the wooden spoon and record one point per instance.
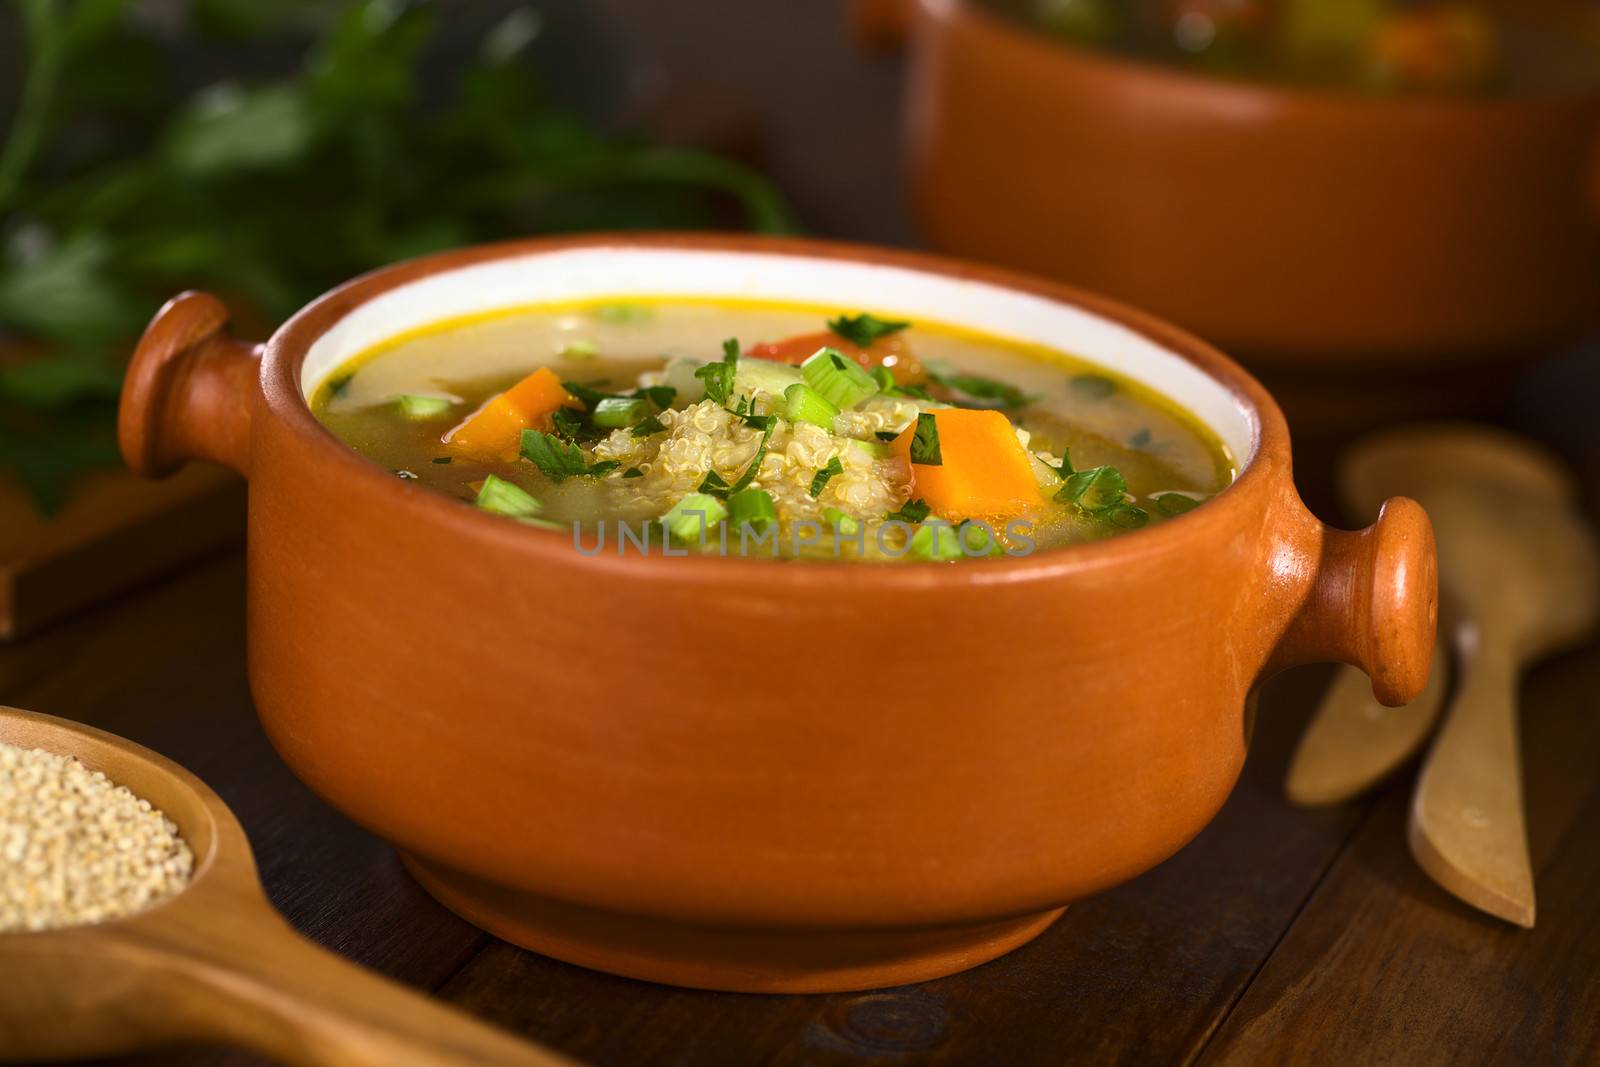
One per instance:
(1519, 576)
(1524, 573)
(215, 963)
(1353, 742)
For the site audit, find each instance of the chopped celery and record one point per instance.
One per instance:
(506, 498)
(616, 412)
(874, 449)
(690, 518)
(840, 379)
(753, 507)
(413, 406)
(764, 376)
(935, 542)
(844, 524)
(801, 403)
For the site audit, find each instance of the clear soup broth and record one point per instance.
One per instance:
(772, 431)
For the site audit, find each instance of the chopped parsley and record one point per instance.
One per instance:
(862, 330)
(751, 471)
(914, 512)
(558, 459)
(980, 392)
(633, 472)
(925, 442)
(714, 485)
(719, 376)
(1093, 386)
(649, 425)
(1176, 503)
(820, 480)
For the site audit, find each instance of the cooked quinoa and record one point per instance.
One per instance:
(77, 848)
(706, 436)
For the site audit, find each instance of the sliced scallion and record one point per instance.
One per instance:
(801, 403)
(616, 412)
(752, 507)
(935, 542)
(839, 378)
(844, 524)
(414, 406)
(691, 517)
(506, 498)
(819, 481)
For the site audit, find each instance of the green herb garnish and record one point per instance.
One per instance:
(578, 351)
(751, 471)
(336, 137)
(714, 484)
(1093, 386)
(1140, 439)
(887, 435)
(719, 376)
(819, 481)
(558, 459)
(1094, 489)
(844, 524)
(587, 394)
(442, 460)
(648, 425)
(981, 392)
(661, 396)
(633, 472)
(925, 442)
(338, 385)
(913, 512)
(1175, 503)
(862, 330)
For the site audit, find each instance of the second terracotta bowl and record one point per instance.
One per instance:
(740, 774)
(1301, 229)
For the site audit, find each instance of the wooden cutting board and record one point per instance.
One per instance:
(115, 531)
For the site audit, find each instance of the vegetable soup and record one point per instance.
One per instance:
(675, 426)
(1377, 46)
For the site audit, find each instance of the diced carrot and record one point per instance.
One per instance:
(494, 431)
(891, 351)
(985, 473)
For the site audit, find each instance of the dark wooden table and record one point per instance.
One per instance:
(1279, 935)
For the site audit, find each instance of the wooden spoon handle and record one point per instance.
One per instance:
(276, 992)
(1353, 742)
(1467, 829)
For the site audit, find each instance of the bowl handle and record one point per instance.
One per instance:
(1372, 601)
(189, 390)
(880, 26)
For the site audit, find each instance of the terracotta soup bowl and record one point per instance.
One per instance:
(1301, 229)
(741, 774)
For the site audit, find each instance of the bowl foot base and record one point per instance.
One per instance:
(743, 960)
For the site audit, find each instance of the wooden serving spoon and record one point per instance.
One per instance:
(1353, 742)
(1524, 574)
(215, 963)
(1519, 577)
